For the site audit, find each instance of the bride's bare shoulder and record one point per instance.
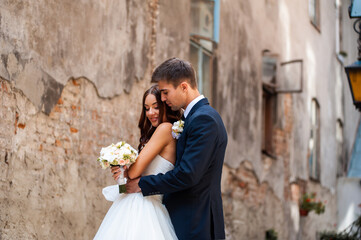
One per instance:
(165, 126)
(164, 129)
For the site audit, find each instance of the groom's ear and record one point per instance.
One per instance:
(184, 86)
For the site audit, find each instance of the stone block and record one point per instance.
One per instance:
(44, 129)
(73, 130)
(7, 117)
(67, 145)
(8, 101)
(5, 143)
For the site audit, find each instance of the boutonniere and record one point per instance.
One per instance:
(177, 129)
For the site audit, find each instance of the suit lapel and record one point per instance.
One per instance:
(181, 141)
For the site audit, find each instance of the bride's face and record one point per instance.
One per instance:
(152, 110)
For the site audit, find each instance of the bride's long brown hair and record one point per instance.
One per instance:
(145, 126)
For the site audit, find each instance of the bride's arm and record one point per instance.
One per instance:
(160, 138)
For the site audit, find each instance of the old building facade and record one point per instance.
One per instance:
(72, 77)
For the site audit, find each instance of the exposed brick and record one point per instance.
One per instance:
(57, 109)
(73, 130)
(58, 143)
(4, 87)
(242, 184)
(75, 82)
(60, 101)
(95, 115)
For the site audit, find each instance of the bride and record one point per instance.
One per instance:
(133, 216)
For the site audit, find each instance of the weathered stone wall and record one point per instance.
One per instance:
(50, 180)
(54, 41)
(260, 192)
(72, 76)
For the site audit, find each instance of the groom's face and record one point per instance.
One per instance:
(173, 97)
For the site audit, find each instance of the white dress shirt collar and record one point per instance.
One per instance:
(191, 104)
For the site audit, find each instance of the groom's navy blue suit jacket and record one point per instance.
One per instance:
(193, 188)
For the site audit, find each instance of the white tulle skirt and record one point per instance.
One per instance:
(133, 217)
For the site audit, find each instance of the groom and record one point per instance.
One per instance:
(192, 190)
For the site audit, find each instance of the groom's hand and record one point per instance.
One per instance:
(132, 185)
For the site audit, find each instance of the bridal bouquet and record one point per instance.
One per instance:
(120, 154)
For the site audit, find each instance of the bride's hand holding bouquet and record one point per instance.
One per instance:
(117, 172)
(119, 156)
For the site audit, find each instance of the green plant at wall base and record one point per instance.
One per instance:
(309, 203)
(271, 234)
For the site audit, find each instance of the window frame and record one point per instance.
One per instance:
(269, 105)
(341, 160)
(314, 156)
(269, 101)
(316, 19)
(198, 41)
(202, 50)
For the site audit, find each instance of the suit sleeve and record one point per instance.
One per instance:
(196, 159)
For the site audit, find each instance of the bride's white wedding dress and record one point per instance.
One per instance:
(133, 216)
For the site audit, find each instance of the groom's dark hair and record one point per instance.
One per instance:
(175, 71)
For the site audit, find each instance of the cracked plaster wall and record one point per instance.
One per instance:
(72, 76)
(65, 67)
(283, 28)
(104, 41)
